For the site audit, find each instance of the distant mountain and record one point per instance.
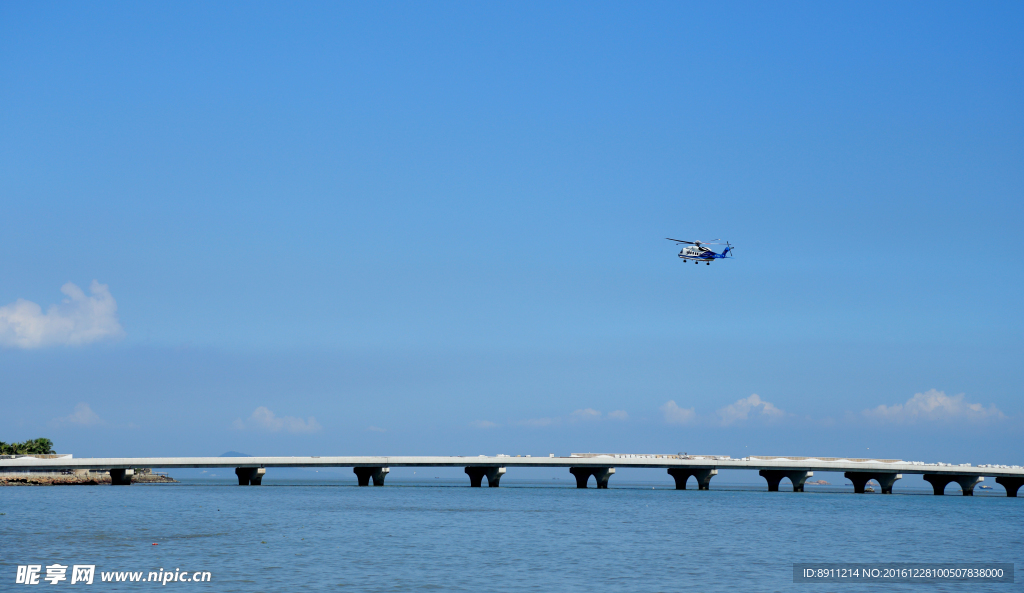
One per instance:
(234, 454)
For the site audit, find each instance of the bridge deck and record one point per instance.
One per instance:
(647, 461)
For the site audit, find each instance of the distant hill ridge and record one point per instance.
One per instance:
(234, 454)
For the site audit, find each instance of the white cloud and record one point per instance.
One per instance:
(539, 422)
(482, 424)
(581, 415)
(587, 414)
(264, 419)
(676, 415)
(77, 320)
(82, 416)
(933, 405)
(375, 429)
(742, 409)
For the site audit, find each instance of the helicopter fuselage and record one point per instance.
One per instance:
(696, 253)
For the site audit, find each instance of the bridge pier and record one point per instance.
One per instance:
(885, 480)
(774, 476)
(365, 474)
(601, 475)
(940, 481)
(1012, 485)
(121, 477)
(250, 476)
(682, 474)
(476, 475)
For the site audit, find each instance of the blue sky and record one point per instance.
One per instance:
(439, 228)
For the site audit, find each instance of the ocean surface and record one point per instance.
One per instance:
(523, 536)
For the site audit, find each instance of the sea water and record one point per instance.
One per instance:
(523, 536)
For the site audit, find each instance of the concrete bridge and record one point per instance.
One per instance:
(583, 466)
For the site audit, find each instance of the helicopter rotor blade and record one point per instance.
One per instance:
(699, 243)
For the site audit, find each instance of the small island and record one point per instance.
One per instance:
(43, 448)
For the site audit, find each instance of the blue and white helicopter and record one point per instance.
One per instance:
(697, 252)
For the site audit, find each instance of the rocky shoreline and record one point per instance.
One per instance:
(92, 479)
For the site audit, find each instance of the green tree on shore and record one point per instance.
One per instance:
(30, 447)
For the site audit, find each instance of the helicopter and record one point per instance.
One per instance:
(699, 253)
